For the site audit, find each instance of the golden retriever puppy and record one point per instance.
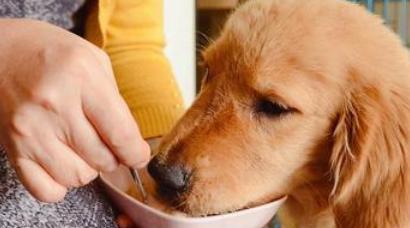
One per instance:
(309, 99)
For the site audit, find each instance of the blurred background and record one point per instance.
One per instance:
(189, 25)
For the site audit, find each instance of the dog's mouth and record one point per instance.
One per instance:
(178, 197)
(174, 198)
(177, 202)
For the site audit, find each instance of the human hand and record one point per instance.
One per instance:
(62, 119)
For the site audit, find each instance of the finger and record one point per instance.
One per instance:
(38, 182)
(63, 164)
(88, 144)
(104, 61)
(113, 121)
(42, 145)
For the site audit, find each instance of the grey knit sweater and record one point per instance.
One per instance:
(58, 12)
(82, 207)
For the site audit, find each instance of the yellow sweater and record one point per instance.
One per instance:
(131, 32)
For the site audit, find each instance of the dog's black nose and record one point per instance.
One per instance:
(172, 178)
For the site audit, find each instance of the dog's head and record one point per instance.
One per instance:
(294, 92)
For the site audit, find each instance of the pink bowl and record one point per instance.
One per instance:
(119, 181)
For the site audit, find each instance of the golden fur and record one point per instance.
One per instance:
(341, 154)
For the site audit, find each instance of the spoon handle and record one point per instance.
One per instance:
(135, 175)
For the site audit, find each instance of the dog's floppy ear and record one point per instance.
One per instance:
(368, 157)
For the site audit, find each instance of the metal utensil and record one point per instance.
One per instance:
(135, 175)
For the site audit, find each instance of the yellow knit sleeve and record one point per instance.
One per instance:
(131, 32)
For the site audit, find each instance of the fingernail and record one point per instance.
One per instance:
(141, 164)
(144, 155)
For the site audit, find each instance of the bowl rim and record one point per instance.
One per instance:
(167, 216)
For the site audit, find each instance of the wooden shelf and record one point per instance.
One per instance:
(216, 4)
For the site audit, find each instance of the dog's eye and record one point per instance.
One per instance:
(270, 108)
